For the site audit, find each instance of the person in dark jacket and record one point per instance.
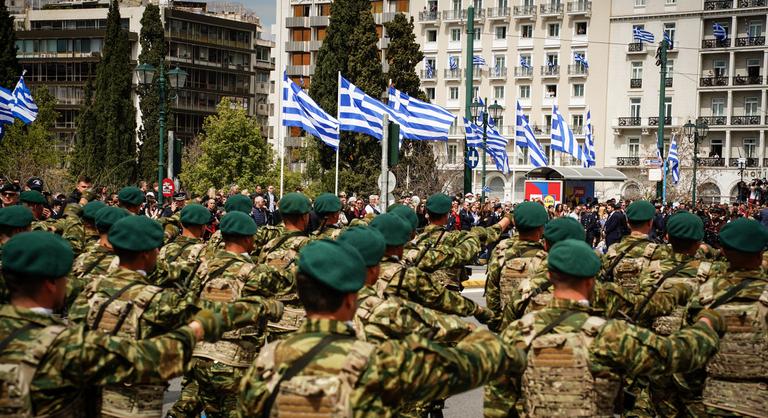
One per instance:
(589, 221)
(615, 226)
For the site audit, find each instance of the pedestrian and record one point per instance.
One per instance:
(260, 214)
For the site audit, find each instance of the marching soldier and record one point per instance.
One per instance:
(90, 233)
(36, 202)
(327, 207)
(130, 198)
(178, 260)
(13, 221)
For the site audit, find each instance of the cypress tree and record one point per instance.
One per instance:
(10, 70)
(85, 156)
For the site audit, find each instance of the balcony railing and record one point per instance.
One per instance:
(319, 20)
(498, 73)
(497, 12)
(718, 4)
(750, 41)
(635, 83)
(715, 120)
(577, 69)
(523, 72)
(477, 72)
(716, 43)
(551, 9)
(452, 74)
(580, 7)
(525, 11)
(454, 14)
(713, 81)
(630, 121)
(628, 161)
(428, 16)
(752, 3)
(741, 80)
(711, 162)
(654, 120)
(750, 162)
(550, 70)
(636, 47)
(745, 120)
(428, 75)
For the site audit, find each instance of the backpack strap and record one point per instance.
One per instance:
(282, 240)
(93, 265)
(12, 336)
(608, 275)
(656, 286)
(729, 293)
(111, 299)
(527, 301)
(181, 251)
(547, 329)
(298, 365)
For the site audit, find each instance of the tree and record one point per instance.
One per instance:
(153, 52)
(231, 151)
(10, 70)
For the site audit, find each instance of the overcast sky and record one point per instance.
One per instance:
(264, 8)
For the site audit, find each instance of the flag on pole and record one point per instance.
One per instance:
(478, 60)
(453, 63)
(673, 161)
(642, 35)
(359, 112)
(524, 138)
(23, 106)
(719, 31)
(580, 59)
(562, 136)
(667, 38)
(299, 110)
(589, 143)
(429, 70)
(525, 62)
(419, 120)
(473, 134)
(6, 103)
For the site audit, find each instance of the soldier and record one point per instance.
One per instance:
(735, 382)
(36, 202)
(445, 254)
(576, 360)
(46, 366)
(411, 283)
(328, 208)
(70, 227)
(625, 260)
(13, 220)
(234, 203)
(130, 198)
(323, 370)
(178, 260)
(90, 233)
(591, 225)
(515, 259)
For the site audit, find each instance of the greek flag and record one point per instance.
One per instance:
(6, 103)
(562, 136)
(487, 189)
(23, 106)
(524, 138)
(419, 120)
(478, 60)
(299, 110)
(473, 134)
(673, 161)
(719, 31)
(430, 70)
(642, 35)
(359, 112)
(580, 59)
(589, 143)
(453, 63)
(667, 38)
(525, 62)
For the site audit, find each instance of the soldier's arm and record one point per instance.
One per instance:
(618, 302)
(435, 296)
(502, 393)
(170, 309)
(267, 281)
(459, 254)
(397, 318)
(492, 288)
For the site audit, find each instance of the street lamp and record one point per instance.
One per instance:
(480, 110)
(695, 133)
(176, 78)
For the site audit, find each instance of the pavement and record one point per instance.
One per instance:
(476, 279)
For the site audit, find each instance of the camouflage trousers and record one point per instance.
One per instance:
(188, 404)
(217, 386)
(498, 403)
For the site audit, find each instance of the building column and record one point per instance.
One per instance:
(727, 147)
(761, 147)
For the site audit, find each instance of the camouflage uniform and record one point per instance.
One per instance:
(71, 228)
(171, 227)
(265, 234)
(63, 360)
(95, 261)
(178, 261)
(575, 370)
(638, 253)
(327, 231)
(90, 237)
(381, 378)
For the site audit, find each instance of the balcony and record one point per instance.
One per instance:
(750, 162)
(425, 75)
(319, 20)
(752, 3)
(297, 70)
(577, 70)
(668, 82)
(635, 83)
(711, 162)
(499, 73)
(715, 120)
(523, 72)
(550, 70)
(580, 7)
(382, 18)
(477, 72)
(454, 15)
(636, 48)
(296, 22)
(525, 12)
(297, 46)
(715, 43)
(630, 121)
(713, 81)
(429, 16)
(628, 161)
(654, 121)
(741, 80)
(750, 41)
(551, 10)
(452, 74)
(497, 13)
(745, 120)
(718, 4)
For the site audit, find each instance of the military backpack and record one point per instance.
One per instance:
(516, 269)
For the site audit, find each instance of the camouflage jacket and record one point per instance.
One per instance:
(263, 235)
(91, 236)
(71, 228)
(96, 261)
(77, 359)
(381, 317)
(449, 249)
(415, 285)
(178, 260)
(638, 253)
(396, 372)
(328, 231)
(171, 227)
(281, 252)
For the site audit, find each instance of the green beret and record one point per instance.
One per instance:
(574, 258)
(108, 216)
(641, 211)
(136, 233)
(396, 230)
(327, 203)
(237, 223)
(294, 204)
(367, 241)
(685, 225)
(90, 209)
(32, 197)
(530, 215)
(16, 216)
(38, 253)
(745, 235)
(130, 195)
(406, 213)
(439, 204)
(560, 229)
(238, 203)
(195, 214)
(334, 264)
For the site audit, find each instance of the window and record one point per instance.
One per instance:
(550, 90)
(755, 29)
(456, 59)
(751, 106)
(301, 10)
(753, 67)
(325, 9)
(321, 32)
(478, 4)
(455, 34)
(715, 147)
(452, 153)
(639, 3)
(552, 60)
(475, 92)
(634, 107)
(430, 93)
(498, 92)
(668, 107)
(456, 4)
(669, 29)
(581, 28)
(526, 31)
(430, 62)
(720, 67)
(525, 58)
(750, 147)
(578, 90)
(634, 147)
(525, 92)
(718, 106)
(577, 122)
(637, 69)
(477, 34)
(501, 32)
(453, 93)
(670, 68)
(431, 35)
(671, 2)
(500, 62)
(554, 30)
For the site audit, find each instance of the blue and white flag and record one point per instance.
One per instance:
(23, 106)
(301, 81)
(359, 112)
(673, 161)
(562, 138)
(478, 60)
(6, 103)
(719, 31)
(419, 120)
(580, 59)
(453, 63)
(589, 143)
(429, 70)
(487, 189)
(525, 63)
(524, 138)
(642, 35)
(473, 134)
(667, 38)
(299, 110)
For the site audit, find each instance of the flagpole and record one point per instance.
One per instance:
(338, 103)
(281, 134)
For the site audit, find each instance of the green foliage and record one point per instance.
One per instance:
(10, 70)
(30, 150)
(231, 151)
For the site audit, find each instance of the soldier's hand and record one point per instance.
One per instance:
(211, 323)
(713, 319)
(273, 309)
(483, 315)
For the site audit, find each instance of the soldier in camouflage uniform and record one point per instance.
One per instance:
(130, 198)
(334, 374)
(576, 360)
(327, 207)
(90, 232)
(179, 260)
(736, 375)
(444, 254)
(625, 260)
(36, 202)
(71, 228)
(48, 368)
(13, 220)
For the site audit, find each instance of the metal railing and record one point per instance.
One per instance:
(715, 43)
(635, 83)
(577, 69)
(715, 120)
(628, 161)
(500, 72)
(752, 3)
(750, 41)
(523, 72)
(497, 12)
(711, 162)
(550, 70)
(750, 162)
(718, 4)
(713, 81)
(654, 120)
(525, 11)
(428, 75)
(551, 9)
(636, 47)
(741, 80)
(745, 120)
(630, 121)
(668, 82)
(454, 14)
(452, 74)
(428, 16)
(579, 7)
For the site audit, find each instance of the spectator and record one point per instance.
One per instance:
(615, 226)
(9, 194)
(260, 214)
(83, 184)
(373, 205)
(270, 201)
(454, 218)
(343, 214)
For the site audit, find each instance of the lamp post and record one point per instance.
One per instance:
(480, 111)
(695, 132)
(176, 79)
(742, 166)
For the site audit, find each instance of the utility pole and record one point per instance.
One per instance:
(469, 92)
(160, 158)
(485, 144)
(661, 60)
(384, 198)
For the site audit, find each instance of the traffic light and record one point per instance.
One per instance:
(393, 142)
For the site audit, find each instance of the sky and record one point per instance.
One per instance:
(265, 9)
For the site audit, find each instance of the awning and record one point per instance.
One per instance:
(576, 173)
